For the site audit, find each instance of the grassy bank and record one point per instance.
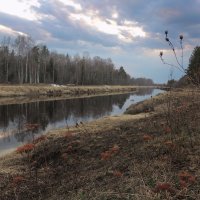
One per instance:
(13, 94)
(57, 90)
(150, 153)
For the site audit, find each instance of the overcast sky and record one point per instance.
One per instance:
(130, 32)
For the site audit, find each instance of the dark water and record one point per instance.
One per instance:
(58, 114)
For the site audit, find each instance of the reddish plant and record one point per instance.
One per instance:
(25, 148)
(108, 154)
(163, 187)
(117, 173)
(186, 177)
(170, 144)
(147, 137)
(69, 134)
(17, 180)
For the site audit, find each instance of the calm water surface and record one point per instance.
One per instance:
(58, 114)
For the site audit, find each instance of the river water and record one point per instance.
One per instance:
(58, 114)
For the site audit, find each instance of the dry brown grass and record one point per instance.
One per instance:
(42, 89)
(68, 164)
(12, 94)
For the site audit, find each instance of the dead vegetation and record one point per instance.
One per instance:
(13, 94)
(155, 156)
(57, 90)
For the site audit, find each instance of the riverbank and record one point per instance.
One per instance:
(17, 94)
(50, 90)
(151, 154)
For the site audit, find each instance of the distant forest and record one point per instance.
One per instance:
(22, 61)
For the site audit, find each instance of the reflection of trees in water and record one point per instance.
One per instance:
(4, 116)
(54, 111)
(83, 107)
(13, 118)
(144, 91)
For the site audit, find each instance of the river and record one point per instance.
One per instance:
(51, 115)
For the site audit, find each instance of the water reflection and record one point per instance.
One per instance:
(57, 114)
(145, 91)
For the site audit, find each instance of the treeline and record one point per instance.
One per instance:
(23, 61)
(141, 81)
(193, 70)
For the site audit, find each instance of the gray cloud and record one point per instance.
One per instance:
(154, 16)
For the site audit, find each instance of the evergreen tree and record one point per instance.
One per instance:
(194, 66)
